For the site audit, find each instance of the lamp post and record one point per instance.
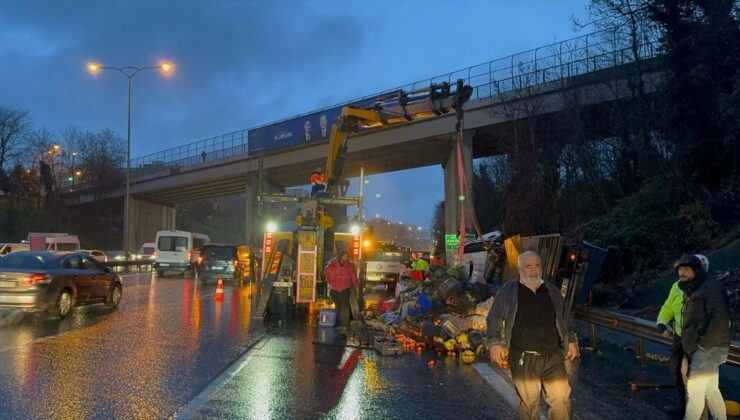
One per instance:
(166, 68)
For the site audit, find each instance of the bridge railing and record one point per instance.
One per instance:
(557, 61)
(208, 150)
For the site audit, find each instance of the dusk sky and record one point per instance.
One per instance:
(244, 64)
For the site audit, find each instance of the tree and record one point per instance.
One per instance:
(491, 180)
(701, 42)
(47, 181)
(99, 157)
(13, 125)
(438, 228)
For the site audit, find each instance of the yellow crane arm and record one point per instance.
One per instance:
(395, 108)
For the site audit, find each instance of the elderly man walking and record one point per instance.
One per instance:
(528, 318)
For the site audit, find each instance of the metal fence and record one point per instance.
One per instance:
(637, 327)
(547, 64)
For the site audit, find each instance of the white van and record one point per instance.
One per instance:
(8, 248)
(53, 242)
(178, 250)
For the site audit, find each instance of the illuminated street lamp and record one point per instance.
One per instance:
(94, 68)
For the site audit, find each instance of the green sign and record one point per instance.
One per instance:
(451, 239)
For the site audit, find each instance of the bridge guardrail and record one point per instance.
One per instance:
(638, 327)
(571, 57)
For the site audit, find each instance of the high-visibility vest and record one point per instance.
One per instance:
(318, 178)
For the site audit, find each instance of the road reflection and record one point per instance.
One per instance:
(168, 339)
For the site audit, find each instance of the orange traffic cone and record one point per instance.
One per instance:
(219, 289)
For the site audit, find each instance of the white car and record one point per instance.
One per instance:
(98, 255)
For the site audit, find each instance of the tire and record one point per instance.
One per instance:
(63, 305)
(160, 273)
(114, 297)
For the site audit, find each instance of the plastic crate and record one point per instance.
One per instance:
(387, 346)
(327, 317)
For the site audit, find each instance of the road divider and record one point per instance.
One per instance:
(136, 279)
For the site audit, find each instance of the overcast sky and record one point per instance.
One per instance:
(241, 64)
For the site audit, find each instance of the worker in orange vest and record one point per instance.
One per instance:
(318, 182)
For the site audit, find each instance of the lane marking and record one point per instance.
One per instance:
(500, 385)
(189, 410)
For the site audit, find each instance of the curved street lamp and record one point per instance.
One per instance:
(166, 68)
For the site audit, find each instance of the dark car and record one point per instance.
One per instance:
(56, 282)
(231, 262)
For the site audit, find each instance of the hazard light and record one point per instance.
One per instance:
(267, 243)
(356, 248)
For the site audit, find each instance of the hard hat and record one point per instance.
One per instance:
(704, 261)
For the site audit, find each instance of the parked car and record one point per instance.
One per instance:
(98, 255)
(7, 248)
(231, 262)
(56, 282)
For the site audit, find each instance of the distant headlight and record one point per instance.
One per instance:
(119, 257)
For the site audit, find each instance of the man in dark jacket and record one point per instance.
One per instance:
(705, 337)
(528, 319)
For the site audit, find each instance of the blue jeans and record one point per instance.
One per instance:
(703, 383)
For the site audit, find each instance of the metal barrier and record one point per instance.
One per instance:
(125, 266)
(608, 48)
(640, 328)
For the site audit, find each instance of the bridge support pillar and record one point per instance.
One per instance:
(251, 230)
(457, 199)
(146, 219)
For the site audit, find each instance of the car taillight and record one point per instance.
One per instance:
(236, 262)
(37, 279)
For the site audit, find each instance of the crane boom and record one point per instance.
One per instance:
(395, 108)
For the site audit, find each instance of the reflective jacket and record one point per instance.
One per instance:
(672, 309)
(502, 314)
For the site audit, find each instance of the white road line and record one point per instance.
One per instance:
(500, 385)
(191, 408)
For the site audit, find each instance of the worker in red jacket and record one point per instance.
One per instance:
(341, 276)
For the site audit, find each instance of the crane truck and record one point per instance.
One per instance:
(293, 261)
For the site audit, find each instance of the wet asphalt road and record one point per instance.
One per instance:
(170, 349)
(166, 342)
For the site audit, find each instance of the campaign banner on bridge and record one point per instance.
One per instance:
(304, 129)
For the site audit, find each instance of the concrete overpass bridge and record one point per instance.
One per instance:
(595, 68)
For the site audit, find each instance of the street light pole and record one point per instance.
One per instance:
(166, 68)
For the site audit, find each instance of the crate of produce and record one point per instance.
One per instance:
(387, 346)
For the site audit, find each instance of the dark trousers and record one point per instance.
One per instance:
(674, 363)
(341, 306)
(540, 374)
(316, 189)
